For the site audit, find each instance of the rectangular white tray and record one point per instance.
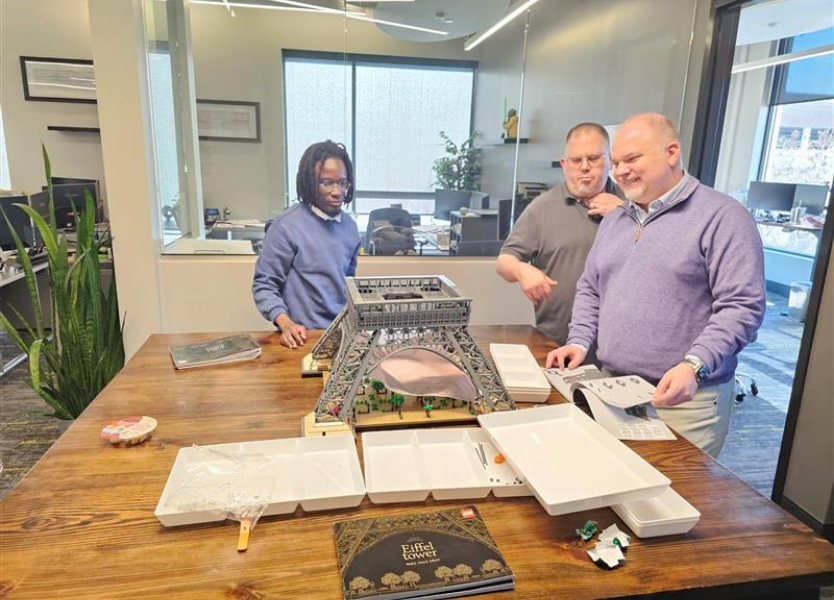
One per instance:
(320, 473)
(569, 461)
(666, 514)
(520, 372)
(407, 465)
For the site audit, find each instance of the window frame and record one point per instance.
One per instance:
(353, 60)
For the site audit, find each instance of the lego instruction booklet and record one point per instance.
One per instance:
(622, 405)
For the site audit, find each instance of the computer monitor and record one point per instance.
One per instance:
(66, 180)
(70, 199)
(20, 222)
(446, 201)
(812, 197)
(766, 195)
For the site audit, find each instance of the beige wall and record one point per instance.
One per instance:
(36, 28)
(201, 294)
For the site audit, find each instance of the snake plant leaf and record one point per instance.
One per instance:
(73, 361)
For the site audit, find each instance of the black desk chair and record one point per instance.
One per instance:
(389, 232)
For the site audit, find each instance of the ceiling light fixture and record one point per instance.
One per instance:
(304, 6)
(264, 6)
(520, 7)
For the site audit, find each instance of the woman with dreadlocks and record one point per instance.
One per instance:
(309, 248)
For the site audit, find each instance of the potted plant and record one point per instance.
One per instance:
(458, 173)
(72, 360)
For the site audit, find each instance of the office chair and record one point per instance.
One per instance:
(741, 390)
(389, 232)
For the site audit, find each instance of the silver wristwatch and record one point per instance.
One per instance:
(697, 366)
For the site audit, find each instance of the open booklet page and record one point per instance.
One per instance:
(620, 404)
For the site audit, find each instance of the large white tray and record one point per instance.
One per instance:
(406, 465)
(320, 473)
(569, 461)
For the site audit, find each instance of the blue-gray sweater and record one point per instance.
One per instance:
(689, 280)
(303, 267)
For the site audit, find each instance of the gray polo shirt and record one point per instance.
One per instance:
(555, 234)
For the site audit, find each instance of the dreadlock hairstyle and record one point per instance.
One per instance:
(306, 181)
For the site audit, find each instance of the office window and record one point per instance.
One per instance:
(5, 179)
(389, 113)
(800, 144)
(164, 137)
(809, 79)
(317, 108)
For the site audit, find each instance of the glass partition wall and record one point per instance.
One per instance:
(239, 90)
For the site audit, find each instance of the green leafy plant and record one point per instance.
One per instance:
(71, 362)
(460, 169)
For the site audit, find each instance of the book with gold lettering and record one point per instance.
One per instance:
(431, 555)
(215, 352)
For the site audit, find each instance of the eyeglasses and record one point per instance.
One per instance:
(329, 184)
(594, 160)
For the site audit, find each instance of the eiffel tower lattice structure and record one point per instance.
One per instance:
(385, 315)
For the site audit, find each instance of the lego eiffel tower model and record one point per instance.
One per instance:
(385, 315)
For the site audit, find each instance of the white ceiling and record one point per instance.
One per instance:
(782, 19)
(466, 16)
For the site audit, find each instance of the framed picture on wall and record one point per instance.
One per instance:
(58, 79)
(229, 121)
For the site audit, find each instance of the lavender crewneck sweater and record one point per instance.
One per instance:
(690, 280)
(303, 266)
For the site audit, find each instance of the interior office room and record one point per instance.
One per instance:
(201, 110)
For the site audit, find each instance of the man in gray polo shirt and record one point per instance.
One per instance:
(552, 238)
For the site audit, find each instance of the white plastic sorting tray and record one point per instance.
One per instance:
(405, 465)
(520, 372)
(320, 473)
(666, 514)
(569, 461)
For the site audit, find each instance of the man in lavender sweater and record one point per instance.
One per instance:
(309, 248)
(673, 288)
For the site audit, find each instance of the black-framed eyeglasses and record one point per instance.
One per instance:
(329, 184)
(594, 160)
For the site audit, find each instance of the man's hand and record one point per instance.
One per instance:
(534, 283)
(678, 385)
(602, 204)
(565, 357)
(293, 335)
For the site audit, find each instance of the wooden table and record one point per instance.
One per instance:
(81, 523)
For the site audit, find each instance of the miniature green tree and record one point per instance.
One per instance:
(397, 400)
(378, 386)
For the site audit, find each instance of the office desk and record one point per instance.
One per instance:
(81, 523)
(435, 235)
(227, 231)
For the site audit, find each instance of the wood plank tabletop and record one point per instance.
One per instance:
(81, 524)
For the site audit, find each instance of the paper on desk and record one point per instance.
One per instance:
(625, 426)
(608, 399)
(622, 392)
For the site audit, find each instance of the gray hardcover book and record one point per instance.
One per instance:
(215, 352)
